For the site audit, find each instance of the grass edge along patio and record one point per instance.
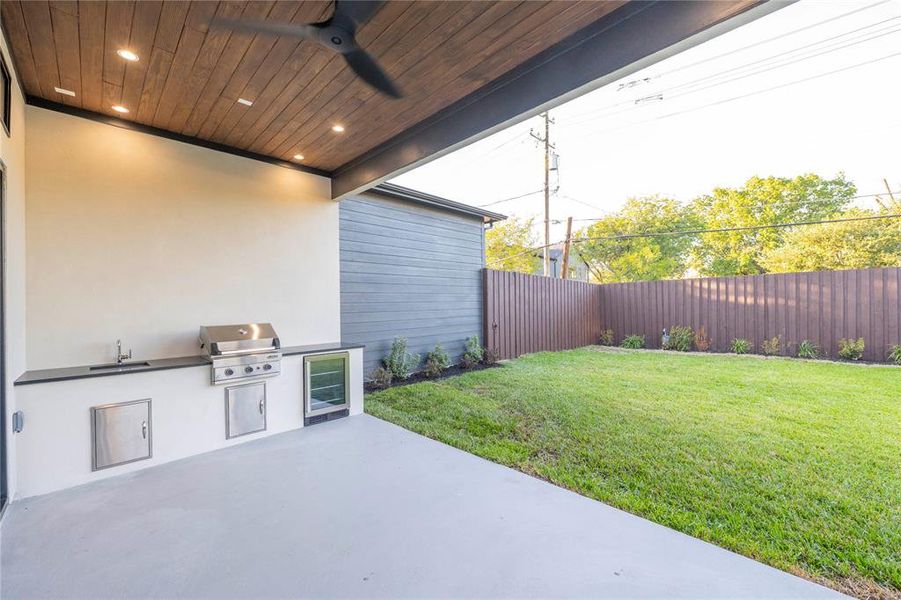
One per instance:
(789, 462)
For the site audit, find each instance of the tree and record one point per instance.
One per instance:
(508, 246)
(761, 201)
(848, 245)
(640, 258)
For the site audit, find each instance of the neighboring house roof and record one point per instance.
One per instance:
(403, 193)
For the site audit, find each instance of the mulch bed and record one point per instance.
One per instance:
(420, 377)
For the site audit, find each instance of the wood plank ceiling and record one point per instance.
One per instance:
(189, 77)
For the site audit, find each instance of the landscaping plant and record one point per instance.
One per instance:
(633, 341)
(381, 377)
(606, 338)
(473, 354)
(491, 357)
(851, 349)
(680, 339)
(894, 354)
(741, 346)
(400, 362)
(808, 349)
(772, 346)
(702, 342)
(437, 361)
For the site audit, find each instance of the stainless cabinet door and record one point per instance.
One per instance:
(245, 409)
(121, 433)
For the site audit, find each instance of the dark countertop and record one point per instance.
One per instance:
(156, 364)
(312, 348)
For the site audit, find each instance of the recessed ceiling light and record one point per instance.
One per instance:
(64, 92)
(119, 109)
(298, 157)
(338, 128)
(127, 54)
(245, 102)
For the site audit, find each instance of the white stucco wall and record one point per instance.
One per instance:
(12, 154)
(142, 238)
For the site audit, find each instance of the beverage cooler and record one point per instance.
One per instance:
(326, 386)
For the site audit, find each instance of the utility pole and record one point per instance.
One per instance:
(548, 146)
(564, 273)
(888, 188)
(878, 198)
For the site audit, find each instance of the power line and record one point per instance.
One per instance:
(529, 251)
(765, 41)
(662, 96)
(774, 38)
(784, 203)
(785, 64)
(782, 85)
(818, 51)
(747, 47)
(511, 198)
(519, 137)
(582, 202)
(597, 112)
(649, 234)
(746, 95)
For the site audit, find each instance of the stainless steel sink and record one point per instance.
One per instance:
(114, 366)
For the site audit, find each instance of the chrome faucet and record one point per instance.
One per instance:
(119, 356)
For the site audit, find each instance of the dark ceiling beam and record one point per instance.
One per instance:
(630, 38)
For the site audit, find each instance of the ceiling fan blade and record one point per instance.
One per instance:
(369, 71)
(349, 14)
(308, 32)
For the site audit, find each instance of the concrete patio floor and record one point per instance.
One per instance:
(355, 508)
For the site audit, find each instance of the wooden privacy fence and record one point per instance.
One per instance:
(528, 313)
(818, 306)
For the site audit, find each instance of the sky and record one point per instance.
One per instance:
(814, 87)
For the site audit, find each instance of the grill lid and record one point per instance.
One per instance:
(245, 338)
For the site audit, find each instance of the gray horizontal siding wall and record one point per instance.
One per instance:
(408, 271)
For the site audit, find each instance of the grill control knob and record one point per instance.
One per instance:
(267, 367)
(229, 372)
(248, 369)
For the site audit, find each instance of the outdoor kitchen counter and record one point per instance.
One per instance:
(157, 364)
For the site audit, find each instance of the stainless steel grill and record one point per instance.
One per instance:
(240, 352)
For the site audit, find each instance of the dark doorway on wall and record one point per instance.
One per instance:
(3, 453)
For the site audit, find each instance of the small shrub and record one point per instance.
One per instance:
(633, 341)
(381, 377)
(439, 356)
(680, 339)
(741, 346)
(400, 362)
(851, 349)
(808, 349)
(491, 357)
(466, 362)
(474, 351)
(432, 368)
(772, 346)
(606, 338)
(894, 354)
(437, 361)
(702, 342)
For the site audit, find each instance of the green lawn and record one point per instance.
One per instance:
(794, 463)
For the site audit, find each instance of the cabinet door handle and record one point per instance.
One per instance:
(262, 405)
(144, 429)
